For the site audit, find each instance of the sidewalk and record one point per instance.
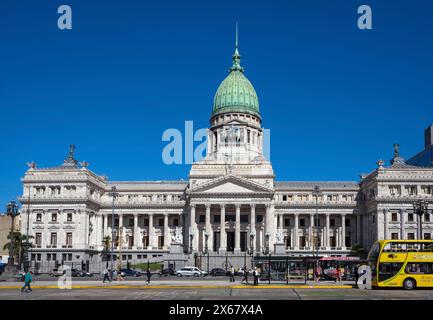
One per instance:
(166, 284)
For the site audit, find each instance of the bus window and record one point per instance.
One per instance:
(388, 270)
(374, 253)
(419, 268)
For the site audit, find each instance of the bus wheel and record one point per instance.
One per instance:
(409, 284)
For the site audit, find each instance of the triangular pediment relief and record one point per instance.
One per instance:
(231, 184)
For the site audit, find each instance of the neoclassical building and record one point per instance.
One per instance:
(230, 204)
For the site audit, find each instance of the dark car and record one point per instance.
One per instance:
(130, 273)
(218, 272)
(167, 272)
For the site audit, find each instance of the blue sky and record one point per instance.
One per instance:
(335, 98)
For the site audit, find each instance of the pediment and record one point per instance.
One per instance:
(232, 185)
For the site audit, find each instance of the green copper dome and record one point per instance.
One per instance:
(236, 93)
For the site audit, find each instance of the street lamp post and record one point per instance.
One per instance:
(11, 210)
(317, 193)
(113, 194)
(420, 207)
(251, 249)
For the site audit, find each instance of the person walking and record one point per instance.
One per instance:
(106, 275)
(27, 280)
(245, 275)
(232, 274)
(149, 275)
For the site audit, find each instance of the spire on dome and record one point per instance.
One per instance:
(236, 56)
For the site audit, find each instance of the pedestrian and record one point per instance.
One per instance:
(337, 274)
(245, 275)
(356, 274)
(256, 276)
(106, 276)
(27, 281)
(232, 274)
(317, 274)
(148, 274)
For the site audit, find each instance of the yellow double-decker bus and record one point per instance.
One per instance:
(402, 263)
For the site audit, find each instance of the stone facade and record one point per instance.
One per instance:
(231, 205)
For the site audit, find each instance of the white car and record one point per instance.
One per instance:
(190, 271)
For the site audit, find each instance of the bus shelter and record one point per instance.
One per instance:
(285, 269)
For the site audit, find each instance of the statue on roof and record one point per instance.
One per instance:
(396, 150)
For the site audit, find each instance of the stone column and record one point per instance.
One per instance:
(223, 241)
(328, 226)
(208, 228)
(385, 227)
(358, 228)
(193, 228)
(403, 224)
(151, 232)
(270, 224)
(238, 229)
(295, 232)
(281, 221)
(343, 231)
(253, 223)
(136, 232)
(166, 232)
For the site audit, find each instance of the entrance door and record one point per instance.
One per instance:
(243, 241)
(216, 241)
(230, 241)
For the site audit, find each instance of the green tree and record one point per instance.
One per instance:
(19, 245)
(358, 250)
(106, 244)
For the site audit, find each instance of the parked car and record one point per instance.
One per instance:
(80, 273)
(130, 273)
(57, 272)
(218, 272)
(167, 272)
(190, 271)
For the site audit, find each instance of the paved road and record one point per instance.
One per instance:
(222, 293)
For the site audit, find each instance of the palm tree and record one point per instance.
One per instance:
(19, 245)
(106, 243)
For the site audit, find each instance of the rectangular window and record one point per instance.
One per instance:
(38, 239)
(38, 257)
(175, 222)
(39, 217)
(347, 222)
(394, 235)
(394, 217)
(427, 217)
(69, 238)
(284, 198)
(202, 218)
(145, 241)
(160, 242)
(54, 256)
(54, 217)
(411, 236)
(287, 222)
(160, 222)
(53, 239)
(216, 218)
(259, 218)
(123, 256)
(427, 236)
(333, 241)
(348, 242)
(48, 257)
(410, 217)
(131, 222)
(332, 222)
(244, 218)
(69, 217)
(33, 257)
(146, 222)
(302, 241)
(302, 222)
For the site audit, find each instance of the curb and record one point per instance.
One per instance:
(188, 287)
